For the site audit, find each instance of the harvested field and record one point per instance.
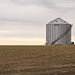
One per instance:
(37, 60)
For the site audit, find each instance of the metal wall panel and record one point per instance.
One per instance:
(53, 32)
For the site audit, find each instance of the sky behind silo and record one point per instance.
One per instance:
(24, 21)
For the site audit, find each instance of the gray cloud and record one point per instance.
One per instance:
(17, 20)
(59, 5)
(46, 3)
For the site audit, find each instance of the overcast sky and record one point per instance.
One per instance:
(24, 21)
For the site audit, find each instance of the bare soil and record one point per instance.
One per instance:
(37, 60)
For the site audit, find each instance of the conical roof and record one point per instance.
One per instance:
(58, 21)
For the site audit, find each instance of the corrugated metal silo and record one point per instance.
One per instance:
(58, 31)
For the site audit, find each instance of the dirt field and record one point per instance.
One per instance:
(37, 60)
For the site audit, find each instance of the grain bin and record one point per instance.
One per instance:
(58, 32)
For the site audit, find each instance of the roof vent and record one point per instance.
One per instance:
(56, 21)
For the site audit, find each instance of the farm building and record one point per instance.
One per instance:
(58, 32)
